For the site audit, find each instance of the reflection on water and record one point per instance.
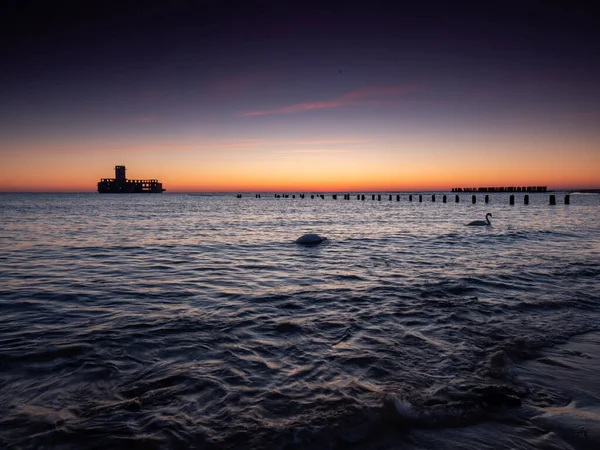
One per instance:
(196, 321)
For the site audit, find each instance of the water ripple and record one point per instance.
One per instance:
(196, 322)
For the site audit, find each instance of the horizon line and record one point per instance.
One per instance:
(328, 191)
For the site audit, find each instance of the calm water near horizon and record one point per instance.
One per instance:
(195, 321)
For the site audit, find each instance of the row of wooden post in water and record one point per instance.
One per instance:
(511, 200)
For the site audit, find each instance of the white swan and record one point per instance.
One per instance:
(310, 239)
(480, 223)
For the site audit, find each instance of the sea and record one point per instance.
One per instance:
(195, 321)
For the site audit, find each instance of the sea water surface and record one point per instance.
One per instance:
(195, 321)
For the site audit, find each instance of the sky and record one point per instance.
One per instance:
(299, 96)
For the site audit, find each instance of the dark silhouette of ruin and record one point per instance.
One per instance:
(121, 185)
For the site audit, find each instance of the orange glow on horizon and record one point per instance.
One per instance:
(321, 164)
(215, 182)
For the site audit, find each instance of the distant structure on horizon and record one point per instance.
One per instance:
(503, 189)
(121, 185)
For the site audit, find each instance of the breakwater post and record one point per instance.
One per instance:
(444, 199)
(526, 200)
(473, 199)
(410, 198)
(487, 198)
(420, 198)
(433, 198)
(567, 199)
(511, 200)
(457, 199)
(553, 200)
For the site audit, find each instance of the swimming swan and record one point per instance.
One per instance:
(310, 239)
(480, 223)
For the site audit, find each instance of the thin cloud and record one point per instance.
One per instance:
(327, 142)
(253, 144)
(85, 146)
(359, 97)
(278, 145)
(310, 151)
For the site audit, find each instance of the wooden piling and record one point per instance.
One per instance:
(553, 200)
(373, 197)
(420, 198)
(444, 199)
(390, 197)
(379, 197)
(473, 199)
(456, 199)
(567, 199)
(526, 200)
(397, 198)
(433, 198)
(512, 200)
(410, 198)
(487, 198)
(362, 197)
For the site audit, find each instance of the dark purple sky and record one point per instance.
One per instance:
(222, 72)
